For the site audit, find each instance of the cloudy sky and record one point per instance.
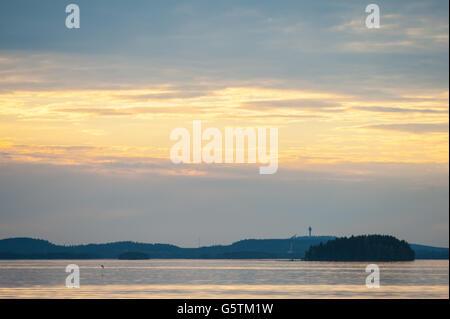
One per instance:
(86, 115)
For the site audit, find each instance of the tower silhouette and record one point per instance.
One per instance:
(309, 228)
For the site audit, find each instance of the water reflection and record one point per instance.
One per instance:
(222, 278)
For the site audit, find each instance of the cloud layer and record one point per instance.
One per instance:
(85, 119)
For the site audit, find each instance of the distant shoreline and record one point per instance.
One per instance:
(212, 259)
(247, 249)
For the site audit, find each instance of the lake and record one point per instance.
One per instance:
(222, 279)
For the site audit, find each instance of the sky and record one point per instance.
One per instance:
(86, 115)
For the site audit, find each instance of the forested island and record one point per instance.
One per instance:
(131, 255)
(361, 248)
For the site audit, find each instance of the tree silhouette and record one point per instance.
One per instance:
(361, 248)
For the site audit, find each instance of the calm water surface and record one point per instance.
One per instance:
(222, 279)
